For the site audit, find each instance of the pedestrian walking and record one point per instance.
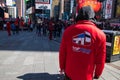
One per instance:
(22, 24)
(83, 48)
(51, 24)
(29, 24)
(4, 26)
(13, 27)
(8, 28)
(17, 25)
(45, 29)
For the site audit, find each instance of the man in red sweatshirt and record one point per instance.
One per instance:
(82, 51)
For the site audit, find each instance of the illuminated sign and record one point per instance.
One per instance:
(108, 11)
(95, 4)
(42, 1)
(43, 6)
(10, 2)
(116, 48)
(30, 10)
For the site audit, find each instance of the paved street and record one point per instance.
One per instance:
(30, 57)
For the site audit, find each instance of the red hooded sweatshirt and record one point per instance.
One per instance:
(82, 51)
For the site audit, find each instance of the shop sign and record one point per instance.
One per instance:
(95, 4)
(9, 2)
(43, 6)
(42, 1)
(30, 10)
(116, 47)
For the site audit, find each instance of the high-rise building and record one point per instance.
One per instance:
(16, 8)
(12, 8)
(61, 11)
(55, 8)
(20, 4)
(12, 11)
(67, 7)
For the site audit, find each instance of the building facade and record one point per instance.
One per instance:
(16, 8)
(43, 8)
(20, 5)
(67, 9)
(55, 8)
(3, 10)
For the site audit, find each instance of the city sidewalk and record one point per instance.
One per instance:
(111, 71)
(30, 57)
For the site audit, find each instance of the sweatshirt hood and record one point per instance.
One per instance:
(85, 13)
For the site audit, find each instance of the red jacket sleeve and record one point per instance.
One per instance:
(100, 57)
(62, 53)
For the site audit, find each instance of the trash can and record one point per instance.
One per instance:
(112, 45)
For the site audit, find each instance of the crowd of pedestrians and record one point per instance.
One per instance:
(43, 27)
(12, 26)
(49, 27)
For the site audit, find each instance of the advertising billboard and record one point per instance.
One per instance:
(116, 47)
(43, 6)
(13, 2)
(118, 8)
(95, 4)
(42, 1)
(10, 2)
(108, 9)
